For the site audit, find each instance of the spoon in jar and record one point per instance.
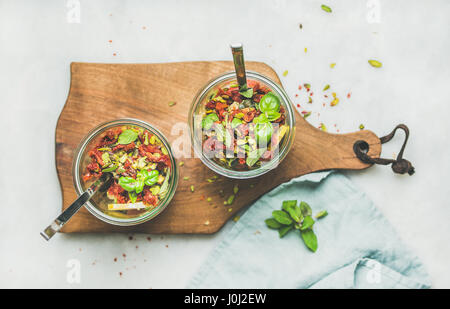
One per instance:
(239, 66)
(101, 184)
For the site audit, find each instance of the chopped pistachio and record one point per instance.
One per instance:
(310, 100)
(230, 199)
(186, 178)
(334, 102)
(326, 87)
(307, 115)
(321, 214)
(306, 49)
(361, 126)
(181, 163)
(209, 199)
(307, 86)
(172, 103)
(323, 127)
(192, 188)
(285, 73)
(236, 219)
(332, 65)
(230, 209)
(235, 189)
(375, 63)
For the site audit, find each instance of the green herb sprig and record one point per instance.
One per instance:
(296, 217)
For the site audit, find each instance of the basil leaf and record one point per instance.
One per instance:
(306, 209)
(133, 196)
(139, 186)
(260, 119)
(236, 122)
(253, 156)
(282, 217)
(307, 223)
(263, 132)
(143, 174)
(272, 223)
(152, 178)
(209, 120)
(127, 137)
(284, 230)
(127, 183)
(293, 210)
(321, 214)
(269, 102)
(248, 93)
(272, 115)
(310, 239)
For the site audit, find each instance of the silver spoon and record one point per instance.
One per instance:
(102, 184)
(239, 66)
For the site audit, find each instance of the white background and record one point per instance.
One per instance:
(38, 42)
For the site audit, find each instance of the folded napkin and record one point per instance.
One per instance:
(358, 248)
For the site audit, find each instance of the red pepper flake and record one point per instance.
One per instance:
(124, 255)
(298, 105)
(325, 96)
(114, 54)
(323, 104)
(167, 246)
(120, 274)
(202, 198)
(312, 93)
(300, 87)
(130, 238)
(304, 112)
(296, 95)
(110, 41)
(349, 95)
(149, 238)
(137, 247)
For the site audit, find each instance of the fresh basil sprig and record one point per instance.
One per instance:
(127, 137)
(298, 217)
(143, 178)
(269, 103)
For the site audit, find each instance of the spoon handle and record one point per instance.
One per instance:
(239, 66)
(99, 185)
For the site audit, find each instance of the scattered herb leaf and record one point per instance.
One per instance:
(321, 214)
(326, 8)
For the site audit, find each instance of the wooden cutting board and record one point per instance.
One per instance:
(102, 92)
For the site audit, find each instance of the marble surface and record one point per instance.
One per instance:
(38, 40)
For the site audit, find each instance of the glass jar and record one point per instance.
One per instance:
(96, 205)
(198, 109)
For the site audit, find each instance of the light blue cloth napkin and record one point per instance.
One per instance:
(358, 248)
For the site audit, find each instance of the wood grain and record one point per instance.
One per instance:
(102, 92)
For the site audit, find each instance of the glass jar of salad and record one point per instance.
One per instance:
(141, 161)
(242, 133)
